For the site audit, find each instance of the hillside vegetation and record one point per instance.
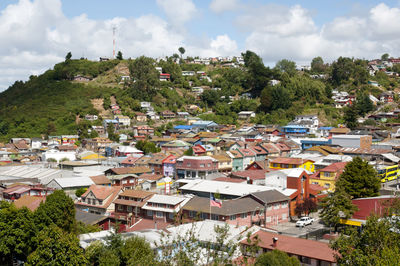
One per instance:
(49, 104)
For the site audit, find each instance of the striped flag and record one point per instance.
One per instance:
(214, 202)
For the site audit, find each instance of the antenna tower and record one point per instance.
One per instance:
(114, 29)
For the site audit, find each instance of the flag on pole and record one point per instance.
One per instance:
(214, 202)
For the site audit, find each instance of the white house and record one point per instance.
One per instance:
(308, 121)
(246, 114)
(58, 155)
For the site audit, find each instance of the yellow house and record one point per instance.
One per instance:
(286, 163)
(327, 176)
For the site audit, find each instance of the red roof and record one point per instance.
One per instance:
(251, 174)
(170, 159)
(335, 167)
(295, 246)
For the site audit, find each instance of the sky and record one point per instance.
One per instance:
(36, 34)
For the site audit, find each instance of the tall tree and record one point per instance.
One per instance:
(181, 51)
(146, 78)
(17, 232)
(276, 258)
(378, 243)
(336, 206)
(359, 179)
(350, 116)
(286, 66)
(56, 247)
(119, 55)
(385, 57)
(59, 209)
(342, 70)
(317, 65)
(364, 104)
(68, 57)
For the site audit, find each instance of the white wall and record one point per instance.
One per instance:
(59, 155)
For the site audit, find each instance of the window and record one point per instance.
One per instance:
(268, 219)
(124, 181)
(283, 216)
(269, 207)
(159, 214)
(204, 216)
(214, 217)
(243, 215)
(100, 202)
(171, 215)
(209, 165)
(327, 185)
(202, 165)
(284, 204)
(276, 206)
(129, 208)
(188, 165)
(261, 212)
(149, 213)
(232, 217)
(275, 165)
(192, 214)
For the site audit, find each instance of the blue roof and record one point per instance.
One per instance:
(325, 128)
(186, 127)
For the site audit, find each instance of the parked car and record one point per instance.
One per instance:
(304, 221)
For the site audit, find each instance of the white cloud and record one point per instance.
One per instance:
(178, 11)
(220, 6)
(278, 32)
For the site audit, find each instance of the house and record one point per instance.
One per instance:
(197, 90)
(155, 163)
(123, 120)
(98, 199)
(327, 177)
(165, 77)
(295, 130)
(188, 73)
(141, 117)
(226, 190)
(183, 115)
(297, 179)
(196, 166)
(146, 106)
(70, 184)
(164, 207)
(82, 78)
(30, 202)
(101, 180)
(249, 156)
(256, 177)
(17, 191)
(310, 122)
(239, 212)
(224, 162)
(237, 160)
(132, 151)
(167, 114)
(205, 125)
(339, 131)
(169, 166)
(244, 115)
(286, 163)
(99, 129)
(386, 97)
(130, 203)
(309, 252)
(137, 170)
(57, 155)
(352, 141)
(174, 145)
(152, 181)
(144, 130)
(198, 150)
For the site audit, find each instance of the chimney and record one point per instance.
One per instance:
(274, 242)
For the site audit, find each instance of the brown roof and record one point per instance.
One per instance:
(221, 158)
(340, 130)
(150, 176)
(130, 202)
(130, 170)
(100, 180)
(294, 246)
(141, 194)
(21, 146)
(251, 174)
(228, 207)
(31, 202)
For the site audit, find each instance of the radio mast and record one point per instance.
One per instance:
(114, 29)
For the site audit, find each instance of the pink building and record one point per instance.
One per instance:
(263, 208)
